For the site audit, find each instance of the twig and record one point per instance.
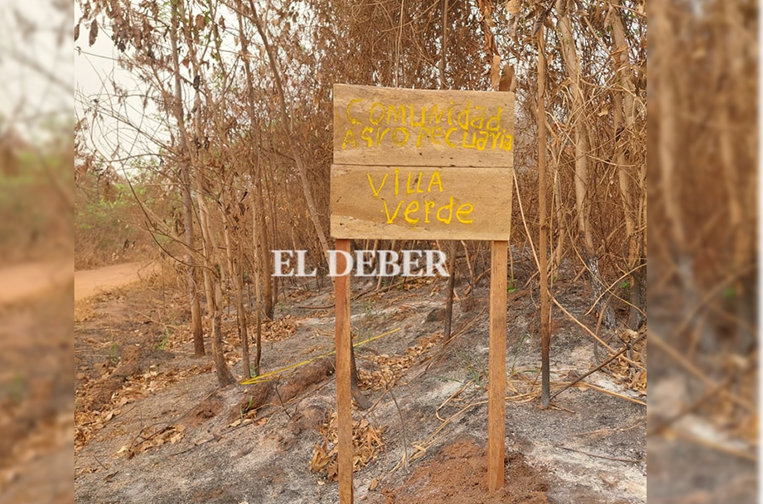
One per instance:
(615, 394)
(445, 348)
(402, 424)
(99, 462)
(453, 396)
(553, 298)
(192, 447)
(433, 437)
(710, 295)
(275, 387)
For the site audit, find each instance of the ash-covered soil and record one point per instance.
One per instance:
(153, 426)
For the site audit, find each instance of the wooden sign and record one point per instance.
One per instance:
(421, 164)
(407, 127)
(426, 165)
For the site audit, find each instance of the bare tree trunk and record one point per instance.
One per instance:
(238, 283)
(214, 295)
(561, 218)
(626, 196)
(668, 127)
(273, 227)
(224, 375)
(185, 175)
(259, 226)
(193, 291)
(264, 244)
(213, 270)
(581, 163)
(667, 149)
(545, 328)
(624, 119)
(258, 274)
(237, 279)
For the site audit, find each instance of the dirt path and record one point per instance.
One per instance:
(23, 281)
(90, 282)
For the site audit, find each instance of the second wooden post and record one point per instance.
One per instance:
(496, 416)
(343, 374)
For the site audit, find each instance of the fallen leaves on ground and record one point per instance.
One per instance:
(391, 368)
(144, 442)
(624, 371)
(89, 422)
(367, 443)
(280, 329)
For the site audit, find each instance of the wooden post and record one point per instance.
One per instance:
(496, 419)
(545, 330)
(343, 374)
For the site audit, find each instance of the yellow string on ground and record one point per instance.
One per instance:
(267, 376)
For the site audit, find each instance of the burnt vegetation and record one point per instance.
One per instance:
(229, 121)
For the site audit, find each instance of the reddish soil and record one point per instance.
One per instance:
(456, 475)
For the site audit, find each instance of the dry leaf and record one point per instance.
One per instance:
(200, 22)
(93, 31)
(320, 458)
(332, 471)
(76, 32)
(176, 436)
(513, 7)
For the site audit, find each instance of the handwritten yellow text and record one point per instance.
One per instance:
(415, 209)
(466, 127)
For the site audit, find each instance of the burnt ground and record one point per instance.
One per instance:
(153, 426)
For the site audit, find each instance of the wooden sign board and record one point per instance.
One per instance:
(410, 127)
(426, 165)
(423, 203)
(421, 164)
